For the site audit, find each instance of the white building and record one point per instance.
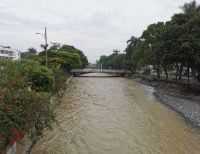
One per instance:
(8, 53)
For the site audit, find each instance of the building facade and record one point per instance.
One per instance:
(9, 53)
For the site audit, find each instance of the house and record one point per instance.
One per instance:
(9, 53)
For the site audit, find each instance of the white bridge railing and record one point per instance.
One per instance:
(98, 71)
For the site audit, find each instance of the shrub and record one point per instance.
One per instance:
(35, 76)
(24, 99)
(66, 60)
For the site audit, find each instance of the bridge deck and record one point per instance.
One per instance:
(98, 71)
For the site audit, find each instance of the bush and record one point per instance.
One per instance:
(25, 112)
(41, 79)
(65, 60)
(24, 99)
(35, 76)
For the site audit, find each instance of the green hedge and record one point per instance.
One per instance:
(25, 91)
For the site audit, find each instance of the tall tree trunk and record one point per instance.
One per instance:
(177, 70)
(188, 73)
(180, 71)
(157, 68)
(166, 73)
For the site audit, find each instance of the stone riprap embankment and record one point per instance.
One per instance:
(189, 109)
(186, 106)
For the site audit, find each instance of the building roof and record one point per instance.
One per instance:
(8, 49)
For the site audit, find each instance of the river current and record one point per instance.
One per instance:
(113, 115)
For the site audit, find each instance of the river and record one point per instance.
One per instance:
(114, 115)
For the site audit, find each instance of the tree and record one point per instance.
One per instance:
(181, 38)
(65, 60)
(132, 45)
(116, 51)
(114, 60)
(24, 99)
(192, 11)
(72, 49)
(32, 50)
(152, 37)
(29, 54)
(55, 46)
(191, 7)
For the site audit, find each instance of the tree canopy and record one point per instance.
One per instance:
(174, 44)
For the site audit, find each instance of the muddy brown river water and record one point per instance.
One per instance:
(109, 115)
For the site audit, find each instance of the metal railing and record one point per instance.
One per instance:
(98, 71)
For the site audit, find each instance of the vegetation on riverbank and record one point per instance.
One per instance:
(25, 90)
(26, 87)
(169, 47)
(173, 88)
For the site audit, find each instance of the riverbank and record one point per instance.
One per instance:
(189, 109)
(54, 101)
(25, 146)
(187, 105)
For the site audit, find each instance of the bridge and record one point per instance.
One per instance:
(78, 72)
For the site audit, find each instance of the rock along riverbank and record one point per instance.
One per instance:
(187, 108)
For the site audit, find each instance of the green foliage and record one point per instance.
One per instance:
(32, 50)
(29, 54)
(113, 61)
(55, 46)
(191, 7)
(60, 78)
(24, 99)
(37, 77)
(152, 37)
(132, 44)
(66, 61)
(71, 49)
(41, 79)
(26, 87)
(25, 111)
(66, 57)
(174, 44)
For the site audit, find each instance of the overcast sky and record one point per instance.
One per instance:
(94, 26)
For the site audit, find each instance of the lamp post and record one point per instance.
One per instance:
(46, 45)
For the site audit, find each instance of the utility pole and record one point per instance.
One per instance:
(45, 45)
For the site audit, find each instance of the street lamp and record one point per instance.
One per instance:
(46, 45)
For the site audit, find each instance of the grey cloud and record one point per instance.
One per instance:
(95, 26)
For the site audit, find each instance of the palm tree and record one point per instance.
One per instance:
(132, 41)
(191, 7)
(32, 50)
(116, 51)
(131, 45)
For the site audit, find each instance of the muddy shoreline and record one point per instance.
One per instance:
(188, 108)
